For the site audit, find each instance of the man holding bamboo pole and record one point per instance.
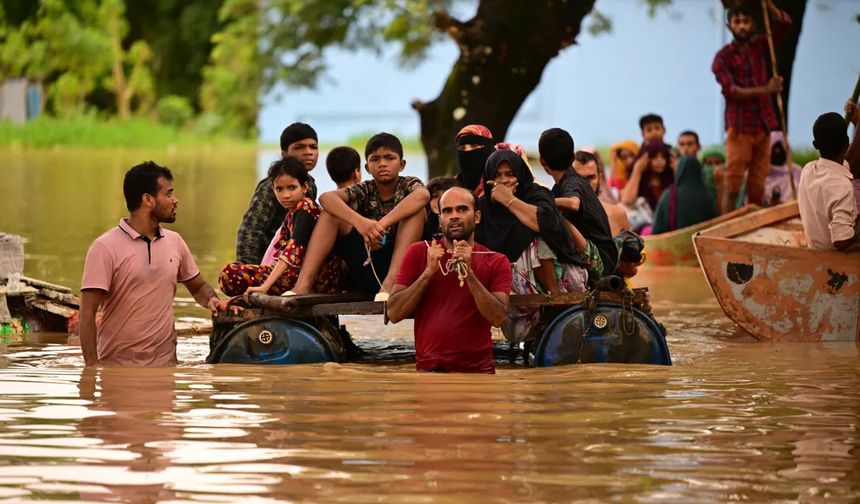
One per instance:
(741, 70)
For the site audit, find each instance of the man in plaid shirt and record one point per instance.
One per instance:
(741, 70)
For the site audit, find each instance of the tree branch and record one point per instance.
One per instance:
(454, 28)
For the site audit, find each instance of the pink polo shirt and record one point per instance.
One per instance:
(139, 276)
(825, 197)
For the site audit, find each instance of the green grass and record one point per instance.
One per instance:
(91, 131)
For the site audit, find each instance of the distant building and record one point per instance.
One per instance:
(20, 100)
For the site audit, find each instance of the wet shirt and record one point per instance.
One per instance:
(261, 221)
(365, 200)
(734, 69)
(591, 219)
(450, 332)
(139, 276)
(825, 197)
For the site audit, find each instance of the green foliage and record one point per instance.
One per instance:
(179, 33)
(295, 33)
(174, 110)
(598, 23)
(231, 81)
(89, 130)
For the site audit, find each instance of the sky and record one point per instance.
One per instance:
(596, 89)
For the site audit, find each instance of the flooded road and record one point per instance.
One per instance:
(732, 420)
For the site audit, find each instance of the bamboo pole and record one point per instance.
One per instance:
(779, 104)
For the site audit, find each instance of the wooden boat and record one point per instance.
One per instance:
(602, 326)
(769, 283)
(31, 305)
(675, 248)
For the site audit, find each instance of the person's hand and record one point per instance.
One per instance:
(462, 250)
(852, 112)
(247, 295)
(222, 305)
(774, 85)
(641, 164)
(434, 255)
(503, 194)
(370, 230)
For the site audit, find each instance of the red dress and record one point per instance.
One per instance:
(290, 247)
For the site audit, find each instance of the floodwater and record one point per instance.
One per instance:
(732, 420)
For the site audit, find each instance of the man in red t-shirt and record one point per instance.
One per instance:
(453, 319)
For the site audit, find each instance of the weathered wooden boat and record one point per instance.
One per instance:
(675, 248)
(31, 305)
(613, 325)
(773, 286)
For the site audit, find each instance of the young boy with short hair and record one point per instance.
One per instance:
(825, 197)
(344, 166)
(652, 128)
(370, 224)
(688, 143)
(578, 202)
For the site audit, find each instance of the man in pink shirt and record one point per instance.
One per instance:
(130, 278)
(825, 197)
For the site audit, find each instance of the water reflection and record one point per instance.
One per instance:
(732, 420)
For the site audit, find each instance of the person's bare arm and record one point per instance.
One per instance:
(403, 300)
(774, 85)
(568, 204)
(853, 154)
(91, 299)
(578, 238)
(204, 294)
(277, 271)
(335, 203)
(492, 305)
(631, 188)
(524, 212)
(413, 203)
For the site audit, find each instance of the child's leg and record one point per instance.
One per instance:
(322, 240)
(408, 232)
(545, 275)
(235, 278)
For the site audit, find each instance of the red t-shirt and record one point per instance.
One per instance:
(450, 333)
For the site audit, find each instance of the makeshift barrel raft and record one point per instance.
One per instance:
(612, 324)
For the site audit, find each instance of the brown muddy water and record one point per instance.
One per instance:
(732, 420)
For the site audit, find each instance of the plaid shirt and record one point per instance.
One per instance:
(735, 69)
(262, 220)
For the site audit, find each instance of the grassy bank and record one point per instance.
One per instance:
(88, 131)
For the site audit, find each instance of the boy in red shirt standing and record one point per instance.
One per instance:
(453, 314)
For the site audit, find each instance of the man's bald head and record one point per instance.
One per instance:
(461, 190)
(458, 214)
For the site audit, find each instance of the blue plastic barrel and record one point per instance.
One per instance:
(276, 340)
(612, 333)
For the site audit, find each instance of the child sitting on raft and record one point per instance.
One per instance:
(282, 261)
(370, 224)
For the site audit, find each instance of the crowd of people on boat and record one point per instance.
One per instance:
(450, 252)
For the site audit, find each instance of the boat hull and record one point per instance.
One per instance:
(773, 286)
(675, 248)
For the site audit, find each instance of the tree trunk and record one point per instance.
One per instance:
(119, 86)
(503, 52)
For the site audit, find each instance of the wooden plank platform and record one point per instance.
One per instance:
(353, 303)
